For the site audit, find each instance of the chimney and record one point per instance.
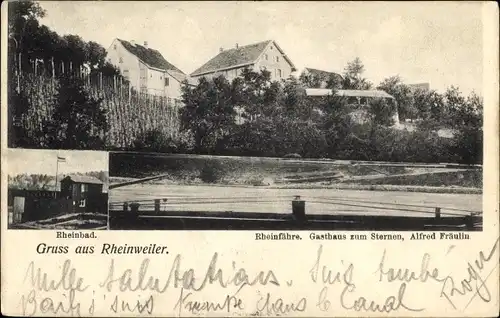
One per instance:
(132, 42)
(146, 44)
(237, 46)
(220, 50)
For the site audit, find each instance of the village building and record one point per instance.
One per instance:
(314, 78)
(146, 69)
(260, 56)
(357, 99)
(420, 86)
(85, 192)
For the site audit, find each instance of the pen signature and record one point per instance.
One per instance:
(478, 288)
(327, 275)
(137, 306)
(473, 283)
(268, 306)
(130, 281)
(30, 305)
(231, 302)
(67, 281)
(392, 303)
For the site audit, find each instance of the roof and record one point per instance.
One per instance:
(237, 57)
(180, 77)
(424, 86)
(83, 179)
(348, 92)
(150, 57)
(321, 73)
(363, 93)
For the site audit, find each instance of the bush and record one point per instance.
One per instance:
(255, 180)
(292, 155)
(212, 172)
(156, 141)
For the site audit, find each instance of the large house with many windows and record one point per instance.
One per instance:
(266, 55)
(146, 69)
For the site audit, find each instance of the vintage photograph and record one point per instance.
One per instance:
(55, 189)
(335, 116)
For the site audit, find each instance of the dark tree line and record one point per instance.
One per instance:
(78, 121)
(252, 115)
(31, 42)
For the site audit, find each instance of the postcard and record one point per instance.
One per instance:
(247, 159)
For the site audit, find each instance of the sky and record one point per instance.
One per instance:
(34, 161)
(438, 43)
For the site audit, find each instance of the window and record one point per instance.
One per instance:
(266, 57)
(167, 82)
(84, 188)
(278, 73)
(114, 47)
(82, 203)
(277, 58)
(121, 59)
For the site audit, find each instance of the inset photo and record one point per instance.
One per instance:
(56, 189)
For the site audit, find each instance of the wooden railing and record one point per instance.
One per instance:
(155, 215)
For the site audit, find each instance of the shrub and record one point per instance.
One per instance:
(255, 180)
(155, 140)
(212, 172)
(292, 155)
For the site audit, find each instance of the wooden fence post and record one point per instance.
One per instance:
(134, 207)
(157, 205)
(299, 209)
(18, 209)
(469, 222)
(438, 213)
(53, 68)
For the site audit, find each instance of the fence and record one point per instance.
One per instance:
(156, 215)
(34, 205)
(129, 113)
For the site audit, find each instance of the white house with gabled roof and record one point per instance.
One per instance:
(266, 55)
(146, 69)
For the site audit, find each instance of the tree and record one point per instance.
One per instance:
(29, 42)
(429, 104)
(23, 21)
(18, 104)
(454, 106)
(403, 95)
(381, 112)
(352, 78)
(79, 120)
(466, 116)
(334, 82)
(258, 94)
(209, 112)
(293, 102)
(310, 80)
